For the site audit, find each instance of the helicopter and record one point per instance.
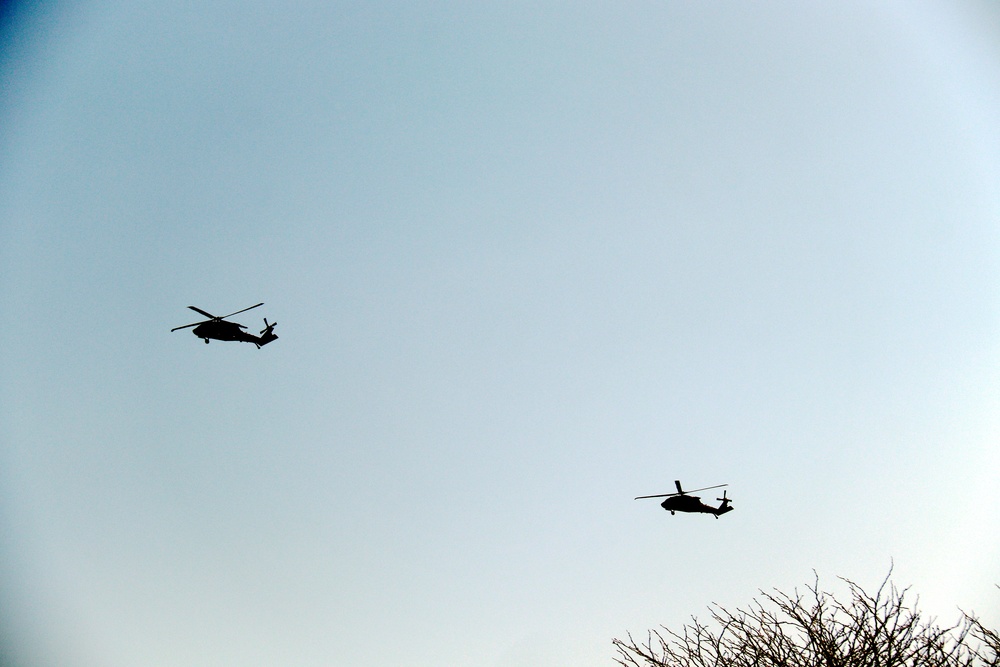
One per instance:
(219, 329)
(682, 502)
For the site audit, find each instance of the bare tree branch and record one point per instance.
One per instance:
(813, 628)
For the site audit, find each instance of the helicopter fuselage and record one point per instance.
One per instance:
(685, 503)
(231, 331)
(222, 331)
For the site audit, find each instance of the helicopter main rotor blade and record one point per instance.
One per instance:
(717, 486)
(199, 310)
(194, 324)
(240, 311)
(666, 495)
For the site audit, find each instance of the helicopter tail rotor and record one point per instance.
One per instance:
(267, 333)
(726, 505)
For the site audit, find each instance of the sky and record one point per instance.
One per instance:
(528, 261)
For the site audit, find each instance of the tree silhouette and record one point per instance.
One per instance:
(814, 629)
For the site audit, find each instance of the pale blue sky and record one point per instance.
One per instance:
(528, 262)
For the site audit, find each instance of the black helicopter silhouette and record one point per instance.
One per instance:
(219, 329)
(682, 502)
